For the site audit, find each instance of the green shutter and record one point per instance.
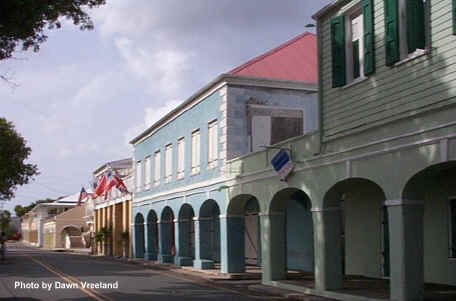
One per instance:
(369, 53)
(392, 32)
(415, 25)
(454, 17)
(338, 51)
(356, 66)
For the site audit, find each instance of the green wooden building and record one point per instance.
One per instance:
(373, 191)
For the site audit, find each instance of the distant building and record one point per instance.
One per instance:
(114, 213)
(33, 221)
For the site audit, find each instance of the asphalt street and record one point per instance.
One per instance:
(32, 274)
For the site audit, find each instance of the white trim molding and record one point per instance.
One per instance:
(231, 216)
(401, 202)
(319, 209)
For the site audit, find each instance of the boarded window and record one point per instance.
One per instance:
(168, 163)
(271, 125)
(212, 144)
(196, 152)
(138, 175)
(147, 172)
(181, 158)
(157, 168)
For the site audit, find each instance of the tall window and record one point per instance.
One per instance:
(147, 173)
(453, 228)
(138, 175)
(196, 152)
(181, 158)
(405, 23)
(157, 168)
(212, 144)
(168, 163)
(352, 44)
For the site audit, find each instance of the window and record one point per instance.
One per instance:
(212, 144)
(452, 228)
(271, 125)
(147, 172)
(157, 168)
(138, 175)
(352, 44)
(405, 29)
(168, 163)
(196, 152)
(180, 158)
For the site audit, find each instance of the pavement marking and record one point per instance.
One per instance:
(91, 292)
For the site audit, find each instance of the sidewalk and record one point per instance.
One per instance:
(245, 283)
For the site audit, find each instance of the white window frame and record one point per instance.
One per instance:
(147, 173)
(181, 158)
(157, 168)
(350, 15)
(403, 46)
(168, 162)
(196, 152)
(138, 175)
(212, 138)
(253, 148)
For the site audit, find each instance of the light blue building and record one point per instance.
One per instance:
(181, 211)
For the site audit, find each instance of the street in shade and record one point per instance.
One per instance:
(32, 274)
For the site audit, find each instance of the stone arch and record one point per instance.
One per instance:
(185, 240)
(432, 191)
(152, 235)
(243, 232)
(291, 233)
(356, 229)
(167, 244)
(208, 245)
(139, 236)
(70, 236)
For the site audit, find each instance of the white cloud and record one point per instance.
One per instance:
(152, 115)
(163, 69)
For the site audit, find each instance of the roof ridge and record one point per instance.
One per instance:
(270, 52)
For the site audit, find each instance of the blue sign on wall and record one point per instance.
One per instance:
(282, 164)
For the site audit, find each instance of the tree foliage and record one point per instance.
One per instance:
(23, 22)
(13, 152)
(22, 210)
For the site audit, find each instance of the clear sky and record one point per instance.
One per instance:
(85, 95)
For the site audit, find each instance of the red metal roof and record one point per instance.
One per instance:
(296, 59)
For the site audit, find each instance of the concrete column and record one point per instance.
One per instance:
(182, 228)
(146, 241)
(202, 260)
(273, 238)
(129, 218)
(232, 244)
(406, 249)
(327, 248)
(164, 255)
(133, 236)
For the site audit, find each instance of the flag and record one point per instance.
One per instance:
(83, 195)
(101, 186)
(120, 184)
(110, 182)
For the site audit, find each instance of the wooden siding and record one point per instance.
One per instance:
(425, 83)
